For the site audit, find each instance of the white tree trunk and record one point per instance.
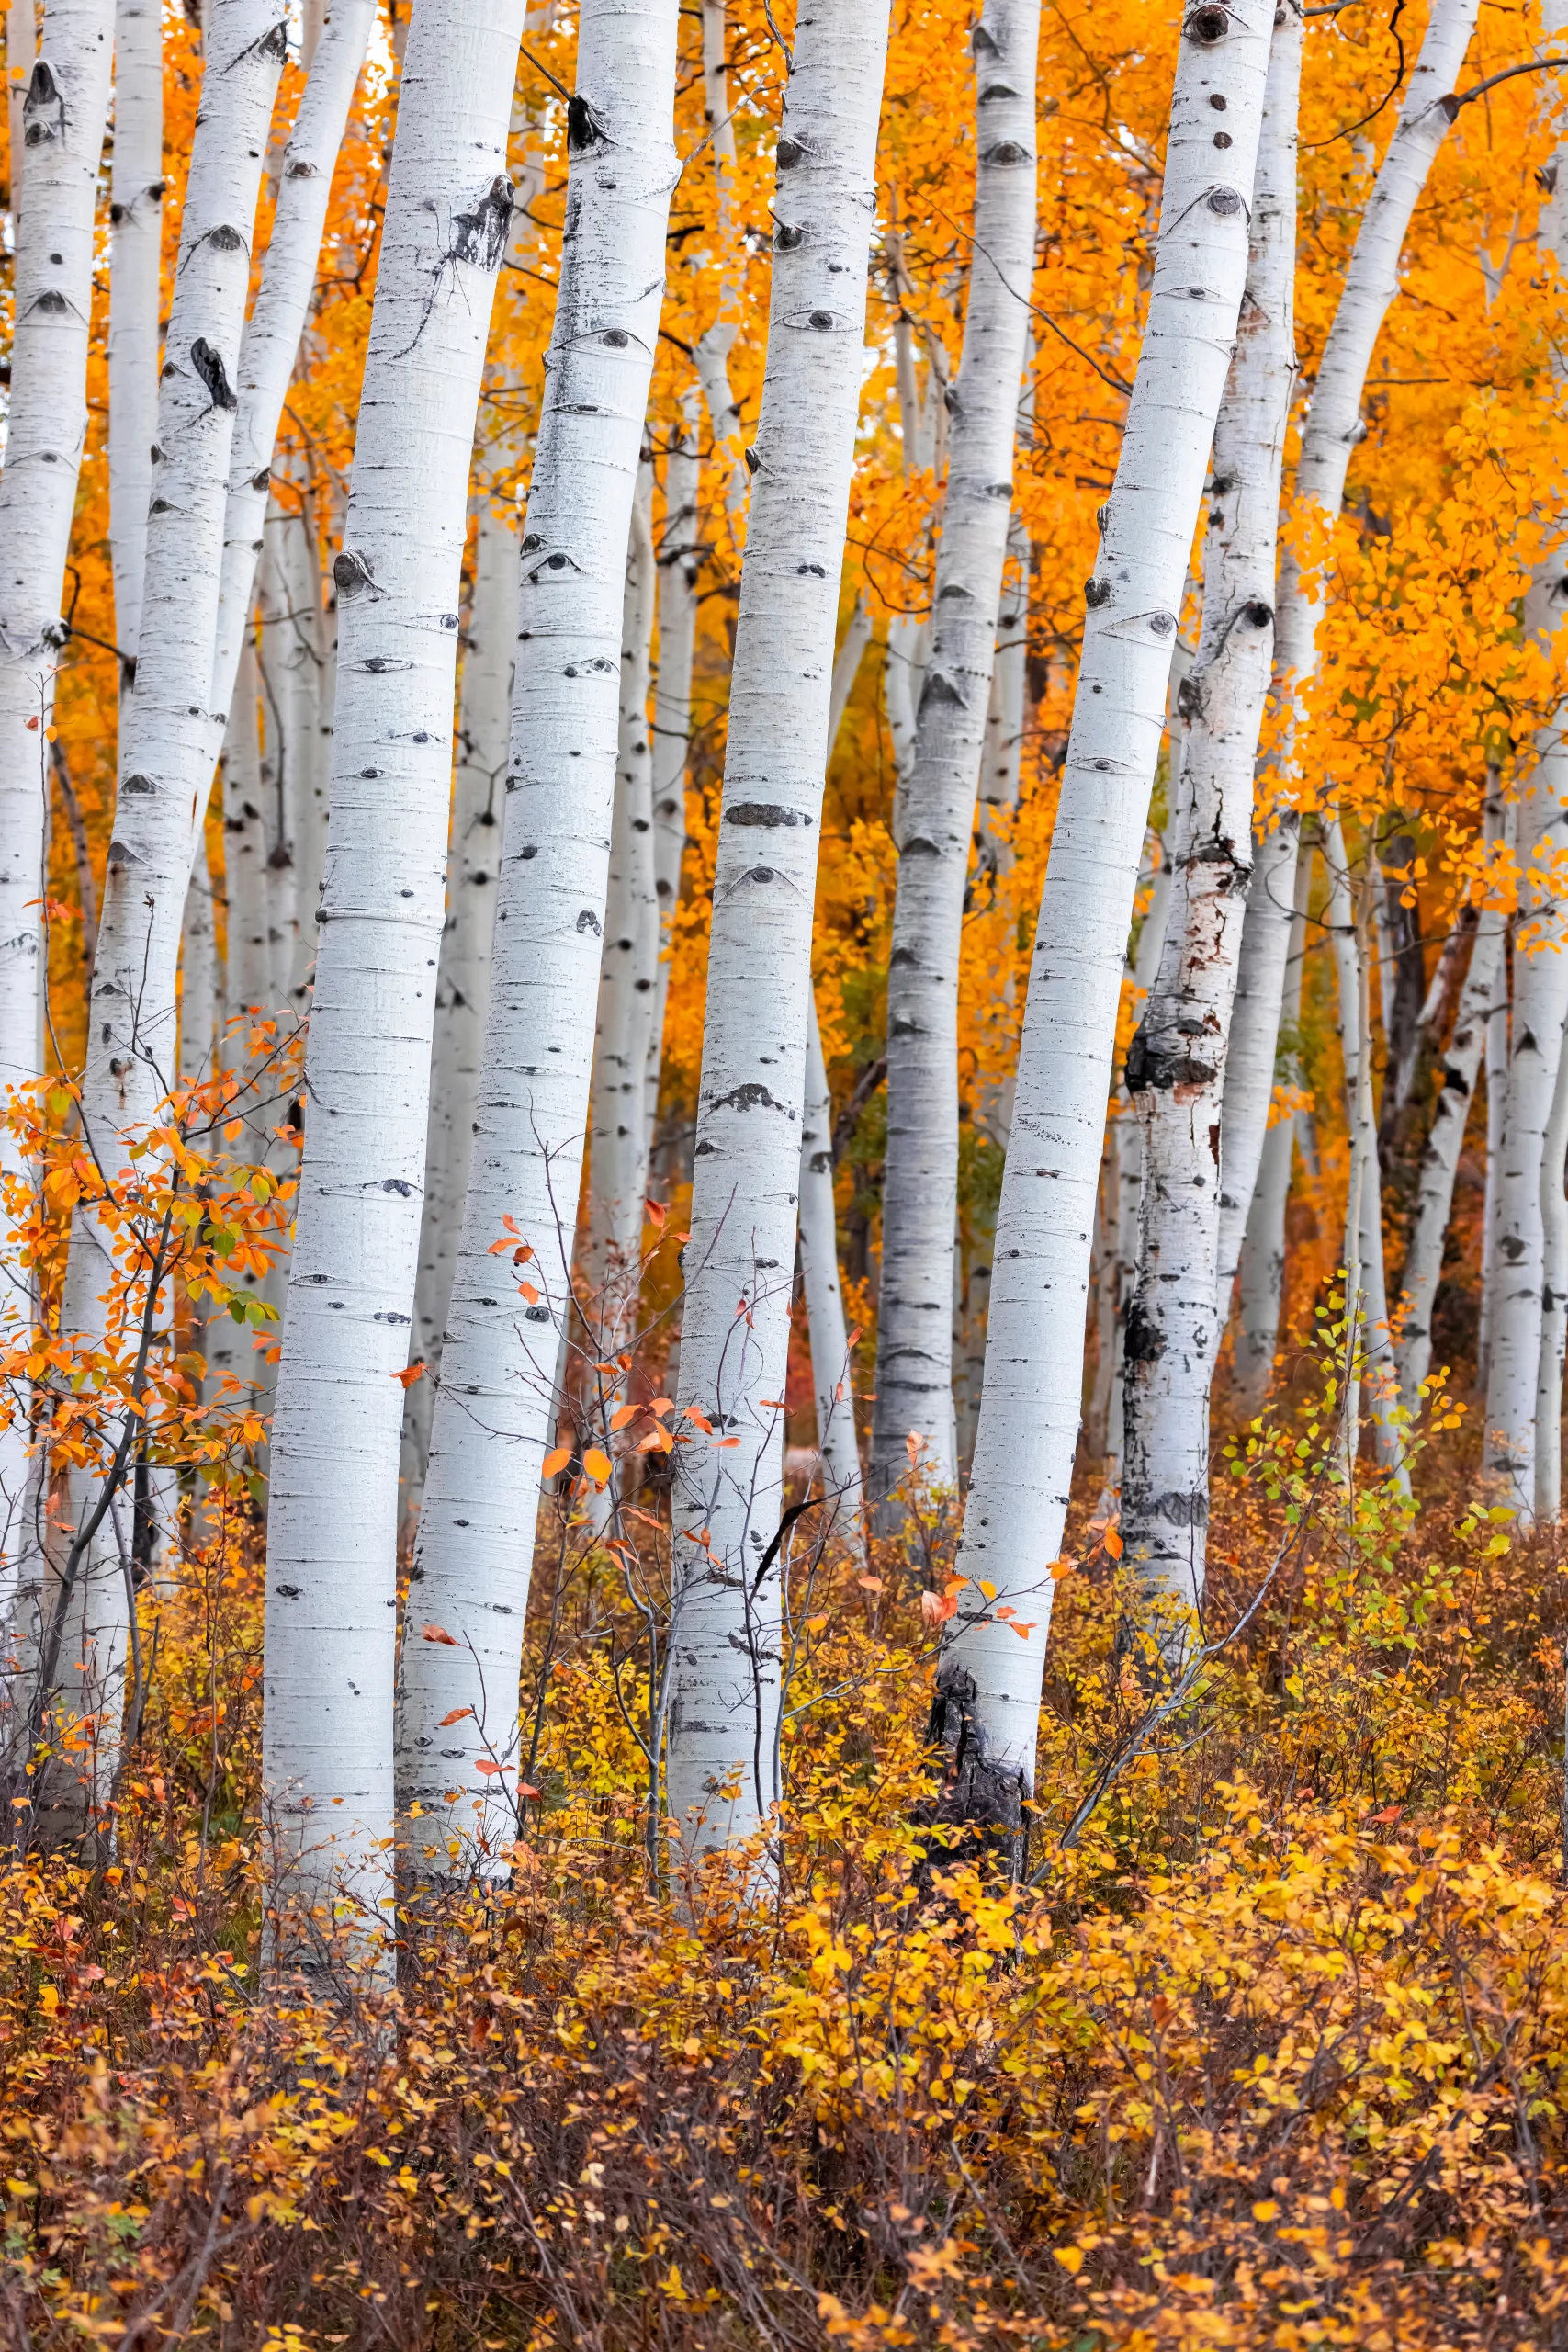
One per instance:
(830, 1366)
(61, 119)
(1261, 1296)
(990, 1682)
(21, 48)
(245, 852)
(462, 998)
(1541, 1002)
(493, 1417)
(332, 1528)
(137, 220)
(717, 342)
(618, 1175)
(1126, 1144)
(1554, 1305)
(1176, 1063)
(1440, 1160)
(271, 343)
(919, 1195)
(308, 713)
(278, 767)
(1333, 428)
(1496, 1056)
(198, 968)
(679, 563)
(722, 1759)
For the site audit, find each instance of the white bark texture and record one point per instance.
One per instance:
(198, 968)
(988, 1695)
(919, 1198)
(63, 123)
(1175, 1064)
(332, 1530)
(830, 1366)
(679, 560)
(462, 997)
(717, 342)
(618, 1175)
(245, 850)
(1333, 429)
(135, 295)
(493, 1419)
(1554, 1305)
(1123, 1196)
(271, 343)
(21, 48)
(1497, 1059)
(1261, 1292)
(1440, 1160)
(1541, 1002)
(722, 1746)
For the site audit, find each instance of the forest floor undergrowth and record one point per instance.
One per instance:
(1276, 2053)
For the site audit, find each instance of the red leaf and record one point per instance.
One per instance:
(438, 1634)
(455, 1717)
(485, 1766)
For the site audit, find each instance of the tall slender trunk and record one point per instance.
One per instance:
(62, 117)
(1261, 1295)
(1331, 431)
(198, 968)
(245, 850)
(617, 1176)
(332, 1528)
(1541, 1002)
(137, 220)
(310, 691)
(831, 1366)
(988, 1687)
(680, 556)
(1498, 1020)
(1125, 1139)
(462, 999)
(722, 1762)
(718, 341)
(1175, 1064)
(21, 48)
(493, 1417)
(271, 343)
(919, 1198)
(1434, 1178)
(1554, 1305)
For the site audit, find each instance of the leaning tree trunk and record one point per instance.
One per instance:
(1333, 428)
(271, 343)
(62, 119)
(920, 1194)
(722, 1766)
(988, 1687)
(1540, 1002)
(1260, 1295)
(137, 221)
(1439, 1161)
(494, 1411)
(332, 1522)
(1175, 1065)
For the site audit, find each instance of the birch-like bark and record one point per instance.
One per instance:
(617, 1176)
(198, 968)
(1498, 1017)
(271, 343)
(1554, 1305)
(1439, 1160)
(680, 557)
(493, 1417)
(1175, 1064)
(715, 344)
(62, 117)
(462, 998)
(919, 1198)
(331, 1529)
(21, 48)
(308, 717)
(1366, 1290)
(249, 978)
(1332, 429)
(830, 1366)
(1126, 1144)
(136, 218)
(988, 1690)
(1261, 1292)
(1540, 1003)
(722, 1760)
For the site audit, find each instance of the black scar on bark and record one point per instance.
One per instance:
(980, 1803)
(1143, 1341)
(764, 813)
(209, 366)
(480, 235)
(583, 127)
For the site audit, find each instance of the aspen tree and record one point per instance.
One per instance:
(1330, 433)
(271, 343)
(493, 1414)
(331, 1527)
(714, 345)
(1176, 1061)
(245, 848)
(198, 968)
(721, 1750)
(63, 113)
(137, 220)
(988, 1686)
(679, 559)
(830, 1365)
(1261, 1287)
(914, 1363)
(1554, 1305)
(21, 48)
